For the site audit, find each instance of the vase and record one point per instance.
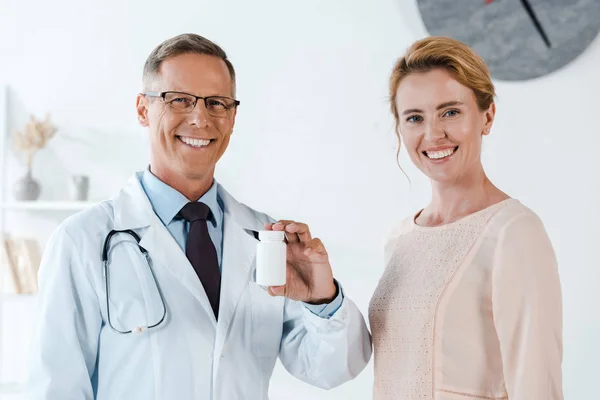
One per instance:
(27, 188)
(79, 188)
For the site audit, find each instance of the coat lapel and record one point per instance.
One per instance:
(134, 211)
(239, 251)
(164, 249)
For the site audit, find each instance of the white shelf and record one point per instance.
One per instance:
(18, 296)
(11, 391)
(47, 205)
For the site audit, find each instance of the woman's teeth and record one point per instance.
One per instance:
(194, 142)
(436, 155)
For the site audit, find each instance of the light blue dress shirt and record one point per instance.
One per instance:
(167, 202)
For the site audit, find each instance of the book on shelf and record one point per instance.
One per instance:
(19, 263)
(9, 282)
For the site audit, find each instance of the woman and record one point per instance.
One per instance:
(469, 305)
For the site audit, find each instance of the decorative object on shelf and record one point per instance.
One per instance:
(9, 282)
(19, 263)
(27, 188)
(29, 141)
(79, 187)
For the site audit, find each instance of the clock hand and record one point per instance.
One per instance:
(536, 22)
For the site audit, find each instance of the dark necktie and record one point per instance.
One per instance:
(201, 252)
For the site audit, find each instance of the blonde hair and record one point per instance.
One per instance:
(440, 52)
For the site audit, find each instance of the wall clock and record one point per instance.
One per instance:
(518, 39)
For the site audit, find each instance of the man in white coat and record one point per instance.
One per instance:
(174, 312)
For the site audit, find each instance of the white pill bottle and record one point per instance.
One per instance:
(270, 258)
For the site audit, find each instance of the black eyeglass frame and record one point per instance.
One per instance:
(163, 96)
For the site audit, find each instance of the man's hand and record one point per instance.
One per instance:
(309, 277)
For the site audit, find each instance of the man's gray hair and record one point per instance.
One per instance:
(183, 44)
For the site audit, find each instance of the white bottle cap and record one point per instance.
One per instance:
(271, 236)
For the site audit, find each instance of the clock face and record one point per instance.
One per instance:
(518, 39)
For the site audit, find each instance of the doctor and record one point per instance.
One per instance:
(179, 315)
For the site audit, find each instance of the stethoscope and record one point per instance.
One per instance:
(105, 262)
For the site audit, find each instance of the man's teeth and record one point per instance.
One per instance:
(194, 142)
(436, 155)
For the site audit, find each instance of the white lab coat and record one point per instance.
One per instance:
(76, 355)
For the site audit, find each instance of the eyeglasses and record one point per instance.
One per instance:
(180, 102)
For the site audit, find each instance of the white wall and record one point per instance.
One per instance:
(314, 138)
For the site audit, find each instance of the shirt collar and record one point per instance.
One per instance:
(167, 202)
